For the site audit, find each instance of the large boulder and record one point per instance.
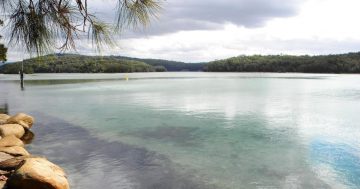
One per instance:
(21, 119)
(15, 151)
(12, 129)
(11, 140)
(3, 118)
(38, 173)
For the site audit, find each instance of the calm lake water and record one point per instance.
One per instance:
(195, 130)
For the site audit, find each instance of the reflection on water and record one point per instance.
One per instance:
(342, 158)
(195, 130)
(4, 108)
(95, 163)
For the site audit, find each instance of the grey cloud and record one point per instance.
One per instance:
(241, 12)
(179, 15)
(185, 15)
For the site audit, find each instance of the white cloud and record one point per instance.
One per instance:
(320, 27)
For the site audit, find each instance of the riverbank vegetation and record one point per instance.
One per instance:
(172, 66)
(77, 64)
(342, 63)
(72, 63)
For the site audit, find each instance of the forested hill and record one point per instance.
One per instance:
(72, 63)
(169, 65)
(342, 63)
(76, 64)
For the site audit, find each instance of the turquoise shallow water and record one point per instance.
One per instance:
(195, 130)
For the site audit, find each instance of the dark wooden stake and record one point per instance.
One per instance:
(22, 76)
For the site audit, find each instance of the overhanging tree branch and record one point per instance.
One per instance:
(42, 25)
(3, 49)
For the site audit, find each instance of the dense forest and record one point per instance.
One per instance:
(170, 65)
(68, 63)
(342, 63)
(72, 63)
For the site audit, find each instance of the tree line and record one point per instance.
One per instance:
(79, 64)
(72, 63)
(341, 63)
(172, 66)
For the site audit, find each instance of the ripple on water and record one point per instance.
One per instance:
(342, 159)
(93, 163)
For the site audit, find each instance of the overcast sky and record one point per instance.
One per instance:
(204, 30)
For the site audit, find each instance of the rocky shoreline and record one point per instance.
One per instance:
(18, 168)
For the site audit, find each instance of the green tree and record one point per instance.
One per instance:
(341, 63)
(3, 49)
(43, 25)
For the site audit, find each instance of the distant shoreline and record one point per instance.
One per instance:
(191, 72)
(70, 63)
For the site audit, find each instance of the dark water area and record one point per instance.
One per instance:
(121, 166)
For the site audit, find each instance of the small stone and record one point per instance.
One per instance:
(12, 164)
(12, 129)
(22, 119)
(15, 151)
(11, 140)
(28, 136)
(5, 156)
(2, 184)
(3, 118)
(2, 172)
(3, 178)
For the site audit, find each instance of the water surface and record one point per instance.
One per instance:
(195, 130)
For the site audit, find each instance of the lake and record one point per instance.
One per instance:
(194, 130)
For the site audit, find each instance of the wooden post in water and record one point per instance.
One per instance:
(22, 75)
